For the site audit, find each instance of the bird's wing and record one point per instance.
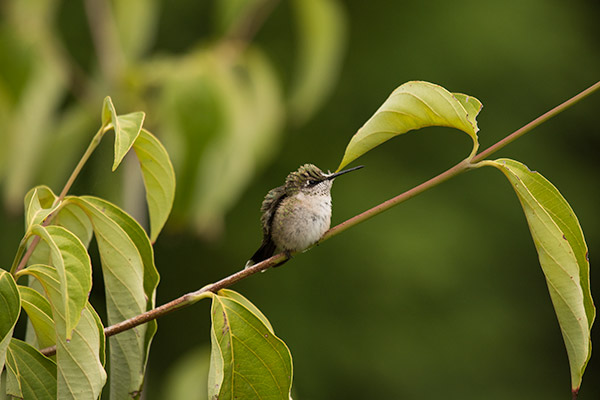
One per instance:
(269, 207)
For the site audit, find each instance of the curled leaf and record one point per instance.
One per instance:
(126, 127)
(415, 105)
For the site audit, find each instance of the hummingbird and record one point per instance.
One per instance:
(296, 214)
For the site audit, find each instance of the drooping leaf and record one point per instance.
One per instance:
(126, 127)
(10, 304)
(39, 311)
(30, 375)
(415, 105)
(123, 271)
(142, 243)
(159, 179)
(75, 221)
(80, 371)
(562, 252)
(73, 269)
(247, 359)
(101, 336)
(321, 27)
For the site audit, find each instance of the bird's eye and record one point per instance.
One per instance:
(310, 182)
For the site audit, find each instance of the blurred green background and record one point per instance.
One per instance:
(441, 297)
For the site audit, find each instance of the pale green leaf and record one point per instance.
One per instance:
(75, 221)
(39, 311)
(255, 362)
(414, 105)
(68, 216)
(73, 269)
(39, 203)
(10, 304)
(80, 371)
(130, 126)
(159, 179)
(31, 375)
(321, 26)
(471, 105)
(141, 241)
(126, 127)
(563, 255)
(123, 271)
(109, 113)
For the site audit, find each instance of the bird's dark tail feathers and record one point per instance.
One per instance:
(266, 250)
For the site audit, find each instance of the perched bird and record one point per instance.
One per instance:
(296, 214)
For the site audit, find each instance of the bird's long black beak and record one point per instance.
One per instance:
(332, 176)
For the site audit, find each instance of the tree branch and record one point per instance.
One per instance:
(193, 297)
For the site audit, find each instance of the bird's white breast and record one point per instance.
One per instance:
(301, 220)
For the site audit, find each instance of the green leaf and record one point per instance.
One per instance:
(159, 179)
(31, 375)
(563, 253)
(109, 113)
(10, 304)
(74, 273)
(39, 311)
(472, 106)
(415, 105)
(247, 359)
(39, 203)
(80, 371)
(321, 26)
(128, 269)
(71, 217)
(142, 243)
(126, 127)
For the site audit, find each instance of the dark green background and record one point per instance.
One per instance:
(443, 296)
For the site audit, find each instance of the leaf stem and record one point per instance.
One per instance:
(278, 259)
(91, 147)
(88, 152)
